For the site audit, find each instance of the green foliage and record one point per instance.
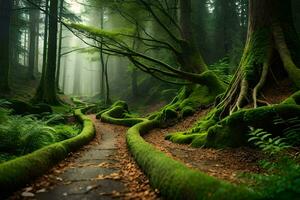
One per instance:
(266, 141)
(222, 69)
(54, 119)
(20, 135)
(281, 181)
(292, 129)
(18, 172)
(173, 179)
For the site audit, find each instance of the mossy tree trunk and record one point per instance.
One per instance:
(5, 14)
(190, 57)
(47, 89)
(272, 52)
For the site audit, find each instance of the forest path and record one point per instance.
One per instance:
(103, 169)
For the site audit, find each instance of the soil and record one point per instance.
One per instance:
(103, 169)
(226, 164)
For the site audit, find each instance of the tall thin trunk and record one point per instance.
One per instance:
(34, 23)
(59, 44)
(45, 48)
(107, 97)
(25, 48)
(102, 81)
(5, 15)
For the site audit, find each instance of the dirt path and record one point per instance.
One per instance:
(225, 164)
(103, 169)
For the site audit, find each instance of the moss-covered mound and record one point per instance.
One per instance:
(119, 114)
(172, 178)
(233, 130)
(188, 100)
(16, 173)
(21, 108)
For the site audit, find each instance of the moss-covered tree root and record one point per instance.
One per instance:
(233, 130)
(16, 173)
(172, 178)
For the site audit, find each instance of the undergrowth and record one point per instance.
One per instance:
(20, 135)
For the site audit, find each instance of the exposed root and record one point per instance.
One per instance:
(242, 96)
(285, 55)
(262, 80)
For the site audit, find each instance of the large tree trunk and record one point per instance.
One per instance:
(190, 57)
(272, 53)
(5, 14)
(47, 89)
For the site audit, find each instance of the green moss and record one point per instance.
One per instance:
(187, 111)
(118, 114)
(22, 108)
(199, 140)
(61, 109)
(181, 138)
(173, 179)
(293, 99)
(233, 130)
(18, 172)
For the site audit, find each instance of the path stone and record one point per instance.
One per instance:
(81, 179)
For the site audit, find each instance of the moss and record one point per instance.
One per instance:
(18, 172)
(187, 111)
(293, 99)
(117, 114)
(188, 100)
(22, 108)
(173, 179)
(61, 109)
(233, 130)
(199, 140)
(181, 138)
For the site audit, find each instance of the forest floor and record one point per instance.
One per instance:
(103, 169)
(226, 164)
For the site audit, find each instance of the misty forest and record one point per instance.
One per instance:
(150, 99)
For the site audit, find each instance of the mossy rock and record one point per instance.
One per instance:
(41, 108)
(22, 108)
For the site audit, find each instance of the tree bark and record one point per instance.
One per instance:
(5, 14)
(190, 57)
(59, 44)
(47, 90)
(33, 32)
(272, 49)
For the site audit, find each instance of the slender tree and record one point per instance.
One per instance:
(33, 40)
(5, 15)
(60, 38)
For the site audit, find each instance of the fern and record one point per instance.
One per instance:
(292, 130)
(21, 135)
(222, 69)
(266, 142)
